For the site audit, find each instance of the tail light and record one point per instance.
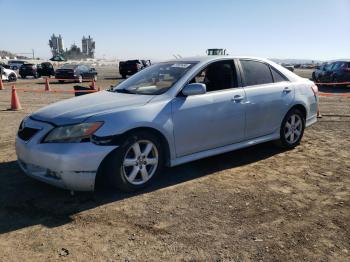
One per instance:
(314, 89)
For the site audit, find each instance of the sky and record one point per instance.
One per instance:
(158, 29)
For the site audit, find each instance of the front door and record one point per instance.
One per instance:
(213, 119)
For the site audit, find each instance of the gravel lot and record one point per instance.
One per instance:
(255, 204)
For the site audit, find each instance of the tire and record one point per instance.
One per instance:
(36, 75)
(124, 76)
(291, 132)
(12, 78)
(126, 168)
(23, 76)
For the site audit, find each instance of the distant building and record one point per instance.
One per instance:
(88, 46)
(56, 45)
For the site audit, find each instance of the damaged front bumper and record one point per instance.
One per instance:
(71, 166)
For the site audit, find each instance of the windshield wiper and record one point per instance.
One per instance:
(124, 91)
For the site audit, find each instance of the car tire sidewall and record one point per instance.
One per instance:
(12, 78)
(113, 166)
(283, 141)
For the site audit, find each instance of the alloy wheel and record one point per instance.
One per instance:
(293, 129)
(140, 162)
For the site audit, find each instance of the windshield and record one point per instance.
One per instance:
(156, 79)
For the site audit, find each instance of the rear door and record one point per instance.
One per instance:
(269, 96)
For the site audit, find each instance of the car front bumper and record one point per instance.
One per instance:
(71, 166)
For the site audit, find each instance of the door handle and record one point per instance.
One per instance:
(287, 90)
(237, 98)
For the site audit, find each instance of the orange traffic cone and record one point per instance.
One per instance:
(47, 84)
(1, 84)
(93, 84)
(15, 104)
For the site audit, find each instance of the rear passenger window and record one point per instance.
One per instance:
(256, 73)
(277, 76)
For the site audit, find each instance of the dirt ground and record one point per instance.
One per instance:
(255, 204)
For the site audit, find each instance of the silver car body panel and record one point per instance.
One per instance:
(195, 127)
(68, 165)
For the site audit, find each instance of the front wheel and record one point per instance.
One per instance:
(136, 163)
(292, 129)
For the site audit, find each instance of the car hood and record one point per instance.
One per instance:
(78, 109)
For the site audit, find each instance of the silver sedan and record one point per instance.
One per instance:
(166, 115)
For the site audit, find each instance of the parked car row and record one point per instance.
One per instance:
(43, 69)
(130, 67)
(333, 72)
(68, 72)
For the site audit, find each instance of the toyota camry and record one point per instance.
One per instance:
(165, 115)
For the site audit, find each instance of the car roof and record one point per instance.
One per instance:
(216, 57)
(207, 59)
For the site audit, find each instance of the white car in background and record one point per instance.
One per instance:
(8, 74)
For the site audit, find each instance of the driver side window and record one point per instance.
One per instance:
(218, 76)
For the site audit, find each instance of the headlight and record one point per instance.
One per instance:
(72, 133)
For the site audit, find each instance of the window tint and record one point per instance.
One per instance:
(218, 76)
(277, 76)
(256, 73)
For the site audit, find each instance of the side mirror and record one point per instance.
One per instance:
(194, 89)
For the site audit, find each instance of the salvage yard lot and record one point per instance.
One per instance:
(259, 203)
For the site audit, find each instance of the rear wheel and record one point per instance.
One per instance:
(12, 78)
(136, 163)
(292, 129)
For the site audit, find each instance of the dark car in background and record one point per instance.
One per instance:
(29, 70)
(39, 70)
(46, 69)
(131, 67)
(16, 64)
(333, 72)
(75, 72)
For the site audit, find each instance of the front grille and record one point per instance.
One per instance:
(27, 133)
